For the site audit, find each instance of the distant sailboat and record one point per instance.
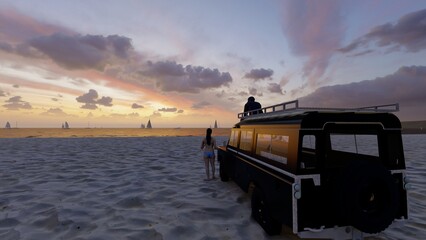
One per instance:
(65, 125)
(215, 124)
(149, 124)
(7, 125)
(142, 125)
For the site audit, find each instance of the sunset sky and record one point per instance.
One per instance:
(105, 63)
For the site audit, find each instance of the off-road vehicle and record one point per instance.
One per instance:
(321, 172)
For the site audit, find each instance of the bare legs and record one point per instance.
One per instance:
(209, 162)
(206, 164)
(212, 165)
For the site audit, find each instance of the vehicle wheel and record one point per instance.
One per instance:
(260, 212)
(223, 171)
(369, 197)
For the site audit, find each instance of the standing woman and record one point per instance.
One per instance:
(208, 145)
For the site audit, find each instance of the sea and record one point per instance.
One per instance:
(107, 132)
(34, 140)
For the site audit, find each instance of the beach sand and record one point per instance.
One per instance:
(117, 188)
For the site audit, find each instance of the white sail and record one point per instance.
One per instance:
(66, 125)
(149, 124)
(215, 124)
(7, 125)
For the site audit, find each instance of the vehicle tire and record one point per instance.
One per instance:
(261, 212)
(223, 171)
(369, 197)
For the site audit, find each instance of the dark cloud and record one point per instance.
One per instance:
(55, 99)
(315, 35)
(113, 54)
(118, 44)
(82, 52)
(15, 103)
(91, 100)
(136, 106)
(121, 45)
(90, 106)
(167, 68)
(406, 87)
(180, 111)
(167, 110)
(15, 85)
(105, 101)
(2, 93)
(275, 88)
(170, 76)
(89, 97)
(200, 105)
(259, 74)
(407, 33)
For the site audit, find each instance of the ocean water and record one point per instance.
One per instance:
(106, 132)
(26, 164)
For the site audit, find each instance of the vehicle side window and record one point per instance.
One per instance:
(246, 141)
(355, 143)
(309, 142)
(263, 143)
(233, 139)
(274, 147)
(308, 155)
(279, 145)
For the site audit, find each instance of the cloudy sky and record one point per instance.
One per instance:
(108, 63)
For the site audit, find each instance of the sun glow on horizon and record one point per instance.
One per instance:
(182, 66)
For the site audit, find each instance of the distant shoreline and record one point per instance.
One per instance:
(414, 127)
(129, 132)
(108, 132)
(413, 131)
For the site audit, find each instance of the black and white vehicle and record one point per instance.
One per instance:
(321, 172)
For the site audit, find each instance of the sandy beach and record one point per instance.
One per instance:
(135, 188)
(116, 188)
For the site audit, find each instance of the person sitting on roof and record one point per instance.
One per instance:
(252, 105)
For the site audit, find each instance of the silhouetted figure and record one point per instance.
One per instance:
(252, 105)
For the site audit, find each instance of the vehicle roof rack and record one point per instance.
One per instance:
(292, 107)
